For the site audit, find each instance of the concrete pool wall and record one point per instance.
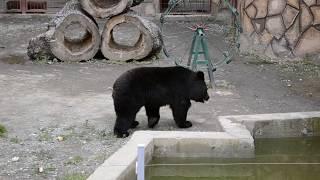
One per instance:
(274, 125)
(237, 141)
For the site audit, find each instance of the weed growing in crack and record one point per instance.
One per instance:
(75, 176)
(74, 160)
(3, 130)
(15, 140)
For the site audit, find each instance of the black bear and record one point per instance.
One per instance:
(153, 87)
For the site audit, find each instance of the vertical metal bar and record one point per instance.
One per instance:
(192, 48)
(140, 163)
(209, 65)
(196, 53)
(23, 6)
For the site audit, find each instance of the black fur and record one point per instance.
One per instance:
(153, 87)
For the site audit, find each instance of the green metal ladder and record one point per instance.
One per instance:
(199, 47)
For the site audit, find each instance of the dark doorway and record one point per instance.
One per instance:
(25, 6)
(188, 7)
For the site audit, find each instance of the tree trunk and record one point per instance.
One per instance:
(106, 8)
(72, 35)
(148, 38)
(39, 47)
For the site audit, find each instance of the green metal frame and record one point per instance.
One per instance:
(199, 46)
(199, 42)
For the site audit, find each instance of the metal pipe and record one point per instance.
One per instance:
(140, 162)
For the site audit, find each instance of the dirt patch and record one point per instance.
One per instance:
(17, 30)
(13, 59)
(300, 77)
(42, 155)
(303, 78)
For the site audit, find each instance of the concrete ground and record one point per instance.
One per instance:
(60, 116)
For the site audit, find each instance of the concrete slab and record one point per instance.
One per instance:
(274, 125)
(236, 142)
(171, 144)
(75, 99)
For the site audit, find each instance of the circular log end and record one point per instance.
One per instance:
(76, 38)
(126, 37)
(105, 8)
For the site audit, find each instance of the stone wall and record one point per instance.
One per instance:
(280, 28)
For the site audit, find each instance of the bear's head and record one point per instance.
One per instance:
(198, 88)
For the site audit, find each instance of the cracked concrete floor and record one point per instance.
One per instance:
(41, 102)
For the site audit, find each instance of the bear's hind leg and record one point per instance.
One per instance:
(153, 115)
(180, 111)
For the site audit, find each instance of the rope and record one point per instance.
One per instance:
(230, 164)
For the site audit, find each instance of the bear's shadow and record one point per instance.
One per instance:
(166, 122)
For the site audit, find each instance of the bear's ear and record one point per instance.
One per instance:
(200, 75)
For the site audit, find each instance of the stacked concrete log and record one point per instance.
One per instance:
(147, 43)
(281, 28)
(107, 8)
(73, 33)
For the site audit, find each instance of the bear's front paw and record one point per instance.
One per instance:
(121, 134)
(186, 124)
(152, 121)
(134, 124)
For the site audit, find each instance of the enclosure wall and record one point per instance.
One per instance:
(280, 28)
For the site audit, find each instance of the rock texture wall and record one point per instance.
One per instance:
(281, 28)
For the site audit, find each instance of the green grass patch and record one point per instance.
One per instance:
(3, 130)
(255, 59)
(75, 176)
(74, 160)
(44, 136)
(51, 169)
(304, 68)
(260, 62)
(15, 140)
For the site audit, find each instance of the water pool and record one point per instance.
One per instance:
(275, 159)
